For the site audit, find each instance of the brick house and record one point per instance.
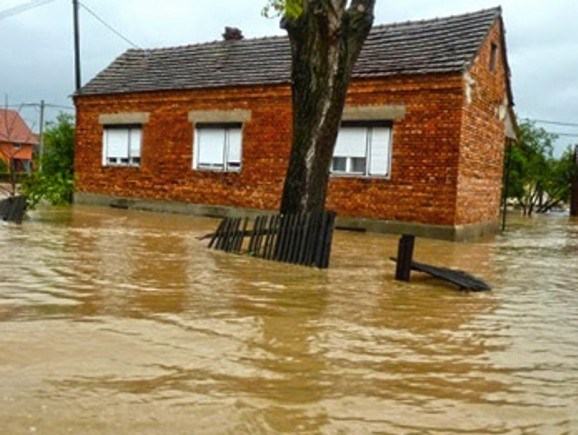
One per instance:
(17, 141)
(206, 129)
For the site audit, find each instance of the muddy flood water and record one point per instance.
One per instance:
(120, 322)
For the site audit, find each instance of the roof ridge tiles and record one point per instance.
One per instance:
(412, 47)
(208, 43)
(497, 12)
(376, 28)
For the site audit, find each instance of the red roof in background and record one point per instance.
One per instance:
(13, 129)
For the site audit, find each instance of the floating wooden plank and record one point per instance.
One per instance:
(462, 279)
(458, 277)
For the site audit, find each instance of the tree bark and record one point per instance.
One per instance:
(326, 39)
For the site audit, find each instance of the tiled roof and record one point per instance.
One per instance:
(420, 47)
(13, 129)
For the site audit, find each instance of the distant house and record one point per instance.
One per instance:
(206, 129)
(17, 141)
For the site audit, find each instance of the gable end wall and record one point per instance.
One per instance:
(483, 135)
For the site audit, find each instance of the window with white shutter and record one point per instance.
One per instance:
(218, 147)
(363, 149)
(122, 145)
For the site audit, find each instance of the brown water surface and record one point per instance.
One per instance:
(117, 321)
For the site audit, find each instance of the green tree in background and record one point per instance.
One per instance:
(326, 37)
(54, 180)
(538, 181)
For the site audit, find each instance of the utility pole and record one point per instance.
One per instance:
(41, 135)
(574, 192)
(77, 77)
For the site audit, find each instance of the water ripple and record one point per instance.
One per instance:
(117, 321)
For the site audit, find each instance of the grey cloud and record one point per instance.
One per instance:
(36, 46)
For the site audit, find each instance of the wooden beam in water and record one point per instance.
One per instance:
(404, 257)
(462, 279)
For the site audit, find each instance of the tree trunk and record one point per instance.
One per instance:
(326, 39)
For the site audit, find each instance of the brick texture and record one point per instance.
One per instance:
(446, 163)
(483, 142)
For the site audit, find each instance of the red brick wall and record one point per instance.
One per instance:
(426, 144)
(422, 187)
(483, 137)
(166, 168)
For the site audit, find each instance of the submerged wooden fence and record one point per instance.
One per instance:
(12, 209)
(303, 239)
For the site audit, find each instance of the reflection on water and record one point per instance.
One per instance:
(121, 322)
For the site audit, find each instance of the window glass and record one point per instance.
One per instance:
(358, 165)
(339, 164)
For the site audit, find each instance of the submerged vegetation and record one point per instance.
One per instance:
(538, 181)
(53, 181)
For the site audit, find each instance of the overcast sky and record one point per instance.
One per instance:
(36, 51)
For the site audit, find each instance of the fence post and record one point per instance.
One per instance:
(404, 257)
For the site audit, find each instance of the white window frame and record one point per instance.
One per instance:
(132, 159)
(226, 164)
(369, 126)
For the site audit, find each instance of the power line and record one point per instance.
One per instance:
(36, 105)
(564, 134)
(108, 26)
(58, 106)
(561, 123)
(22, 8)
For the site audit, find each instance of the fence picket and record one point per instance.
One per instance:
(297, 238)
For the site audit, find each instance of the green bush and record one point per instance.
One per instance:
(54, 181)
(538, 181)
